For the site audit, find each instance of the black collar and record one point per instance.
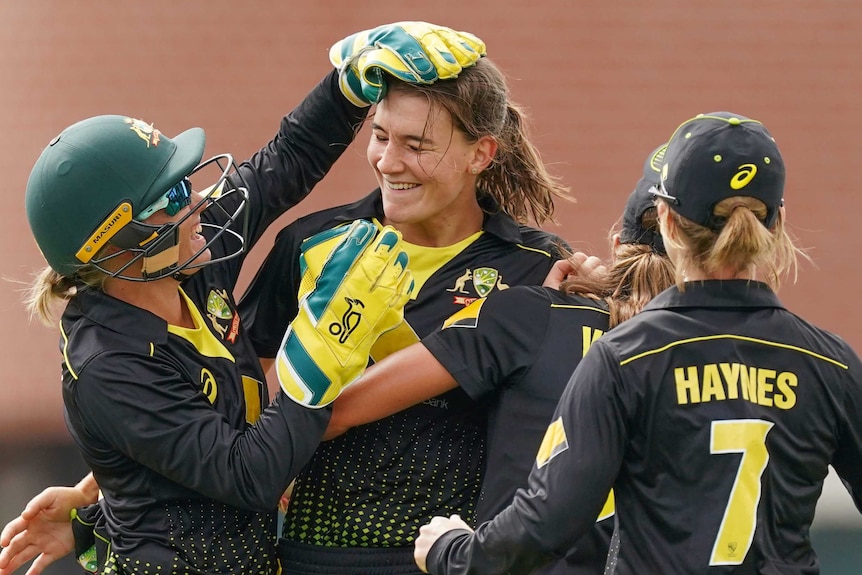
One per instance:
(118, 316)
(717, 294)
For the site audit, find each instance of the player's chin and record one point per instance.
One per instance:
(399, 212)
(201, 259)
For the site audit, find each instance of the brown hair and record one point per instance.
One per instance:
(638, 274)
(741, 243)
(478, 101)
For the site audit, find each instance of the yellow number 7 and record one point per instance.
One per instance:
(746, 436)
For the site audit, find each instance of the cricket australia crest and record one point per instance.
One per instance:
(484, 280)
(219, 311)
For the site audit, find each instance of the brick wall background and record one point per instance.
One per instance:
(604, 83)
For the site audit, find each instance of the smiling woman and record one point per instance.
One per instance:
(426, 170)
(77, 181)
(163, 392)
(599, 81)
(141, 335)
(459, 178)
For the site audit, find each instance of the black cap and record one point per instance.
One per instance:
(715, 156)
(640, 200)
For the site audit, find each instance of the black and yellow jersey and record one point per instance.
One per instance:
(375, 485)
(516, 350)
(715, 414)
(163, 415)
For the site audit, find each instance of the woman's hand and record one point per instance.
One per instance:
(430, 533)
(578, 265)
(44, 528)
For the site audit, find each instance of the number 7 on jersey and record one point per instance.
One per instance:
(746, 436)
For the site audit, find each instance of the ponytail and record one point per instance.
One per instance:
(742, 243)
(50, 289)
(637, 274)
(517, 178)
(478, 102)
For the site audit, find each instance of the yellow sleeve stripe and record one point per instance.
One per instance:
(65, 355)
(585, 307)
(537, 250)
(736, 337)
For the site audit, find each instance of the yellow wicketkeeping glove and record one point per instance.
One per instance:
(359, 293)
(415, 52)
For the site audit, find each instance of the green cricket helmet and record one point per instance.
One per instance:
(93, 183)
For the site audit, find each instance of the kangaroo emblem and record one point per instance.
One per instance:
(461, 282)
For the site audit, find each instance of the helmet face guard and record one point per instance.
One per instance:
(157, 246)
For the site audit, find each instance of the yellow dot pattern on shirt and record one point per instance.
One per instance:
(205, 537)
(376, 485)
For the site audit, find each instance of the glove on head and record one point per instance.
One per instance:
(414, 52)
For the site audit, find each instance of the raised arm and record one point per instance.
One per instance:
(468, 351)
(405, 378)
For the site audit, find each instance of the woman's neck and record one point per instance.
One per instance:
(725, 273)
(443, 231)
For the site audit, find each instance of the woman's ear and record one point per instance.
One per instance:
(665, 221)
(483, 155)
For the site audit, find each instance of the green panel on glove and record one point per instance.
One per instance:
(414, 52)
(357, 294)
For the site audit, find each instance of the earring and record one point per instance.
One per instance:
(474, 171)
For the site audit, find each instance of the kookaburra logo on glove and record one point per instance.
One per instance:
(354, 285)
(349, 320)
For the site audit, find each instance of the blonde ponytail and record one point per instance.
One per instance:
(50, 290)
(743, 243)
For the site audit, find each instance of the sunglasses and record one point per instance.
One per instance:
(175, 199)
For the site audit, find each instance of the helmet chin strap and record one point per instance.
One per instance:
(164, 259)
(159, 246)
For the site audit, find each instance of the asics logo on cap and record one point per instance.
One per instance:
(742, 178)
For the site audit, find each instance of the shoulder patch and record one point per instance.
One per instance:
(467, 317)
